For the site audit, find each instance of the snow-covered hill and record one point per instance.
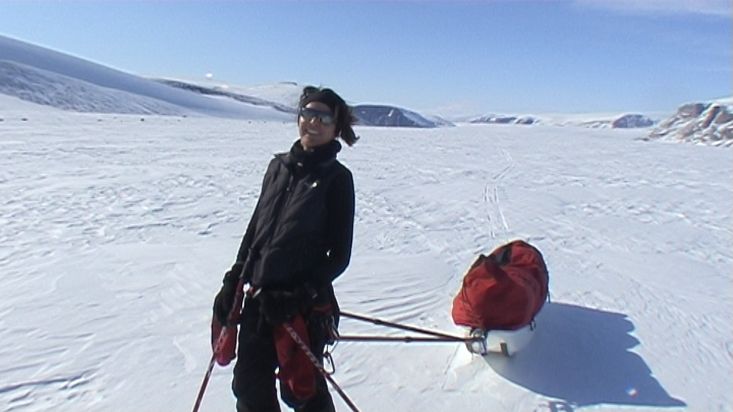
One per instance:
(67, 93)
(439, 121)
(284, 96)
(706, 123)
(48, 77)
(590, 120)
(12, 104)
(232, 94)
(283, 93)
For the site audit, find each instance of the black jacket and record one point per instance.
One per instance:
(301, 230)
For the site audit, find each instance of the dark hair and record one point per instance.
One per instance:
(344, 116)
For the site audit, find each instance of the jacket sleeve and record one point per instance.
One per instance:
(340, 230)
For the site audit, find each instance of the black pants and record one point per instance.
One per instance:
(254, 372)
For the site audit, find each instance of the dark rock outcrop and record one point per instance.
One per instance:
(629, 121)
(383, 115)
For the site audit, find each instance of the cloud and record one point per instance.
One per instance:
(718, 8)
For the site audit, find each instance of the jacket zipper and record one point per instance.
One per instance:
(282, 201)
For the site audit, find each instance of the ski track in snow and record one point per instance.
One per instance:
(116, 232)
(491, 197)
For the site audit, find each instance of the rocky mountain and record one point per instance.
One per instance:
(588, 120)
(705, 123)
(384, 115)
(503, 119)
(630, 121)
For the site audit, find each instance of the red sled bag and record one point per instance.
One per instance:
(504, 290)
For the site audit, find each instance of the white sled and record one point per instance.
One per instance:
(506, 342)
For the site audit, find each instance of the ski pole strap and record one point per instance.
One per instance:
(408, 339)
(403, 327)
(318, 365)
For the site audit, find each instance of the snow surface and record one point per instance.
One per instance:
(45, 76)
(589, 120)
(285, 93)
(10, 104)
(116, 232)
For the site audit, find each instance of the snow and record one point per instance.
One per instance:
(51, 89)
(284, 93)
(116, 232)
(14, 104)
(48, 77)
(589, 120)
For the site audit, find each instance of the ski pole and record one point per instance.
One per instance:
(218, 348)
(205, 382)
(408, 339)
(318, 366)
(404, 327)
(221, 345)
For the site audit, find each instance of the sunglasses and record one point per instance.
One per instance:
(326, 118)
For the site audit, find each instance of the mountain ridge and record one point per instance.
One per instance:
(47, 77)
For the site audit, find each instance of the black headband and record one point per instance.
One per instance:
(327, 97)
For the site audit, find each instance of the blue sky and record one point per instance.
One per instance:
(455, 57)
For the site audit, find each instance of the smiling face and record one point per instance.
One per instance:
(313, 132)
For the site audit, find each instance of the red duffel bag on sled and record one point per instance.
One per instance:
(503, 291)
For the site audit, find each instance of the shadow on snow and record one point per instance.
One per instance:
(582, 356)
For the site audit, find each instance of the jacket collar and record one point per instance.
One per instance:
(311, 159)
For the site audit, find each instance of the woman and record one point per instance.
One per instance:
(297, 242)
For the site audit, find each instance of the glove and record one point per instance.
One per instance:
(281, 305)
(224, 300)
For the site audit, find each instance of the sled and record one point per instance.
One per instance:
(505, 342)
(500, 296)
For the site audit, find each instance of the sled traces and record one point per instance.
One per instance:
(495, 213)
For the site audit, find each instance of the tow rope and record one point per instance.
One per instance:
(434, 336)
